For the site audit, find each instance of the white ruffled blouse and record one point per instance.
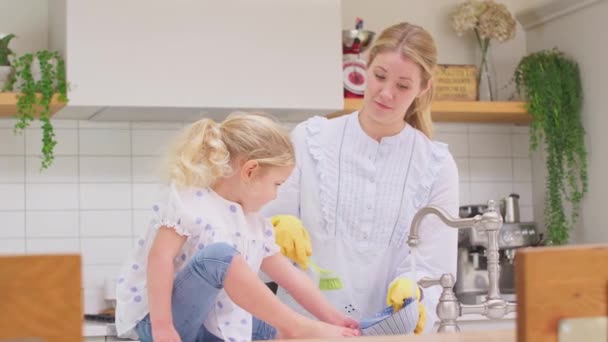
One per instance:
(357, 197)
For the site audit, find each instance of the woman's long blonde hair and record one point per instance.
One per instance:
(416, 44)
(205, 150)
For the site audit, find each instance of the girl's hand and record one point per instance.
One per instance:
(165, 333)
(350, 322)
(345, 321)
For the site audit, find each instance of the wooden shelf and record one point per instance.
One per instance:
(463, 111)
(8, 105)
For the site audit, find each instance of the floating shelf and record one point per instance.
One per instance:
(463, 111)
(8, 105)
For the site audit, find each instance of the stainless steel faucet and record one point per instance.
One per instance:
(449, 308)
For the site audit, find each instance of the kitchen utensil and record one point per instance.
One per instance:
(510, 208)
(328, 280)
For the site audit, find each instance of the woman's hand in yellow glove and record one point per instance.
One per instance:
(293, 238)
(401, 289)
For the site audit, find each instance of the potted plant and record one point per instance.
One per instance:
(552, 86)
(489, 20)
(5, 64)
(37, 78)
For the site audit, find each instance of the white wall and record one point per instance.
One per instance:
(579, 35)
(28, 20)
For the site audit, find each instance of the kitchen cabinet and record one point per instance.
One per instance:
(181, 60)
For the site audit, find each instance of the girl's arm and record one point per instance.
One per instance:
(165, 248)
(304, 291)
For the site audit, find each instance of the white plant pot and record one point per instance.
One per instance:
(5, 71)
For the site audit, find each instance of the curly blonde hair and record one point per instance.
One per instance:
(205, 150)
(415, 43)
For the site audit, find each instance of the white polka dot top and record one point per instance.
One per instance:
(204, 217)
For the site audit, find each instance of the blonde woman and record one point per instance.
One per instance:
(193, 276)
(360, 178)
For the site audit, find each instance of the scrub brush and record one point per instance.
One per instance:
(327, 279)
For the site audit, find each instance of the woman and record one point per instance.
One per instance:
(360, 179)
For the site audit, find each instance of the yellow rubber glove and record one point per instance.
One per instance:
(293, 238)
(401, 289)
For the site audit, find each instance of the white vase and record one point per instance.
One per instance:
(5, 71)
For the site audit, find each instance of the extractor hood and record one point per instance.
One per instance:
(181, 60)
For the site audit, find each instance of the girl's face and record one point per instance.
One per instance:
(261, 184)
(393, 84)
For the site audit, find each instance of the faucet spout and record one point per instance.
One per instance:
(413, 237)
(449, 308)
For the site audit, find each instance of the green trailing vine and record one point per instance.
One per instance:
(552, 86)
(35, 96)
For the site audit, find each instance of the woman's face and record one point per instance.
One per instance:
(393, 82)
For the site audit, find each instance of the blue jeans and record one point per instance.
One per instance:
(195, 289)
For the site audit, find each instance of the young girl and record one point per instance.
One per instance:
(193, 277)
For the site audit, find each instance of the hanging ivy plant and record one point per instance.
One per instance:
(35, 96)
(551, 84)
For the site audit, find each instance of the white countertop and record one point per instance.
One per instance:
(92, 329)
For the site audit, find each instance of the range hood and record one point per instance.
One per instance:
(182, 60)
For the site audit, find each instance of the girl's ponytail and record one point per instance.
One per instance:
(199, 155)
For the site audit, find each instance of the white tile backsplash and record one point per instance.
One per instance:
(11, 143)
(105, 223)
(147, 169)
(13, 224)
(105, 196)
(148, 142)
(522, 170)
(63, 170)
(53, 246)
(12, 246)
(51, 196)
(12, 196)
(105, 169)
(7, 123)
(12, 169)
(44, 224)
(491, 169)
(520, 143)
(105, 142)
(489, 145)
(96, 197)
(105, 251)
(67, 142)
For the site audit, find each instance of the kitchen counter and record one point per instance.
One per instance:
(95, 329)
(473, 336)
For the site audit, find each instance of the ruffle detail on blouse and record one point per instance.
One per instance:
(327, 168)
(176, 225)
